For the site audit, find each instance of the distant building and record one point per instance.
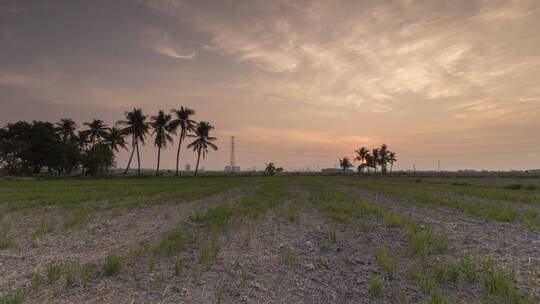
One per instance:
(232, 169)
(188, 167)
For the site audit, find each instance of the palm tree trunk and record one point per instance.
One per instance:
(158, 156)
(178, 152)
(138, 159)
(391, 167)
(129, 162)
(197, 166)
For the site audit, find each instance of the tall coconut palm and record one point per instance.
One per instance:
(384, 155)
(162, 133)
(137, 127)
(392, 159)
(97, 131)
(345, 163)
(182, 120)
(373, 159)
(361, 156)
(65, 130)
(203, 141)
(116, 139)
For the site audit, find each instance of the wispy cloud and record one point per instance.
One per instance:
(373, 50)
(159, 41)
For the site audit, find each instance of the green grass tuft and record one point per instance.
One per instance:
(174, 241)
(114, 263)
(376, 286)
(209, 253)
(86, 269)
(70, 273)
(384, 260)
(500, 285)
(11, 297)
(178, 265)
(6, 242)
(37, 281)
(54, 272)
(423, 241)
(290, 258)
(437, 298)
(469, 269)
(333, 235)
(393, 220)
(43, 228)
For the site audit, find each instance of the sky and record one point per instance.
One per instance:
(298, 83)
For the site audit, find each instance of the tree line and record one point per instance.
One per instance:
(371, 159)
(62, 147)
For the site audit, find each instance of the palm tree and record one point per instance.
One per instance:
(384, 155)
(203, 141)
(185, 124)
(82, 140)
(372, 159)
(65, 129)
(361, 156)
(136, 126)
(162, 133)
(97, 131)
(345, 163)
(270, 169)
(116, 139)
(392, 159)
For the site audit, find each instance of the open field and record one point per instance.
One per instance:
(280, 239)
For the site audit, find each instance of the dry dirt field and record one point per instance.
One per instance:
(270, 240)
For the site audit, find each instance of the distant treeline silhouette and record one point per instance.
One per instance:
(377, 157)
(61, 148)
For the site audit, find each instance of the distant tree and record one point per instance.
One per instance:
(65, 130)
(361, 156)
(381, 156)
(345, 163)
(136, 127)
(30, 147)
(83, 140)
(392, 159)
(98, 159)
(97, 131)
(374, 160)
(384, 157)
(183, 121)
(202, 142)
(116, 139)
(15, 148)
(162, 133)
(371, 161)
(67, 156)
(270, 169)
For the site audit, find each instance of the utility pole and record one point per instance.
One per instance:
(439, 165)
(232, 161)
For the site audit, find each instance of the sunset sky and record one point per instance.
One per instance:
(300, 83)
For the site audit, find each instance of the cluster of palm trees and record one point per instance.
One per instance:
(138, 126)
(371, 159)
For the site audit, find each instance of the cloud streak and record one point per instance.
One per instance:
(159, 41)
